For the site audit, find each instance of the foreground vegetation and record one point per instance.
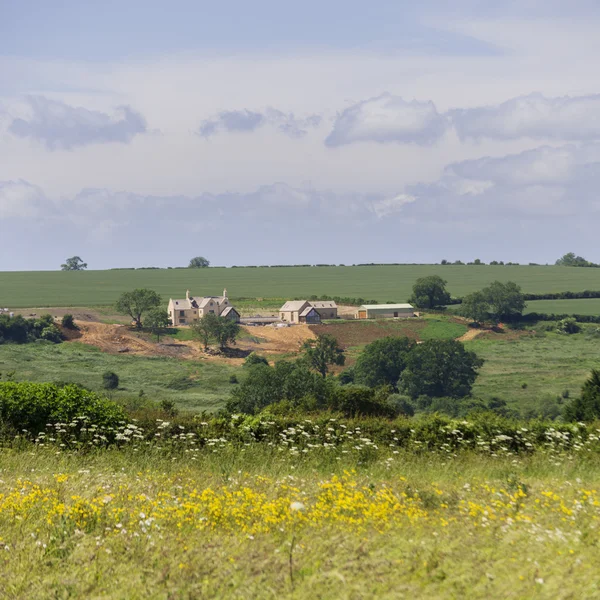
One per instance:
(382, 283)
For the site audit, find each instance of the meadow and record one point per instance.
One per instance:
(582, 306)
(382, 283)
(268, 521)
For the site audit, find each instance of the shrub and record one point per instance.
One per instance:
(359, 400)
(402, 405)
(255, 359)
(568, 326)
(110, 380)
(68, 322)
(169, 407)
(233, 379)
(31, 406)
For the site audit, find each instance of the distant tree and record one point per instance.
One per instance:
(73, 264)
(157, 320)
(382, 361)
(587, 406)
(430, 292)
(110, 380)
(568, 326)
(68, 322)
(199, 262)
(477, 261)
(475, 306)
(505, 300)
(226, 332)
(205, 328)
(136, 303)
(323, 352)
(570, 260)
(440, 368)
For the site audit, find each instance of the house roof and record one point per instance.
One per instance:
(324, 304)
(200, 302)
(293, 305)
(307, 311)
(229, 310)
(181, 304)
(386, 306)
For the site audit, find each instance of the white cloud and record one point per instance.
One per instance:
(388, 118)
(534, 116)
(61, 126)
(19, 199)
(242, 121)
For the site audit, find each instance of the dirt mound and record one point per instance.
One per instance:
(357, 333)
(275, 340)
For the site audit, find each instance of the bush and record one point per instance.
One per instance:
(31, 406)
(359, 400)
(568, 326)
(169, 407)
(110, 380)
(255, 359)
(402, 405)
(233, 379)
(68, 322)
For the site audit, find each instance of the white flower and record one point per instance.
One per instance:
(294, 506)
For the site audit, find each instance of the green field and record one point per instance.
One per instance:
(381, 283)
(583, 306)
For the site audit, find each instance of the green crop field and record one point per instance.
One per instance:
(584, 306)
(381, 283)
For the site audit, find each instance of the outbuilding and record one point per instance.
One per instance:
(385, 311)
(310, 315)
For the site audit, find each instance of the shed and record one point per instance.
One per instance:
(385, 311)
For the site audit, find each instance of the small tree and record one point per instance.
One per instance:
(68, 322)
(322, 352)
(199, 262)
(226, 331)
(136, 303)
(205, 328)
(568, 326)
(382, 361)
(587, 406)
(255, 359)
(110, 380)
(157, 320)
(505, 300)
(474, 306)
(73, 264)
(430, 292)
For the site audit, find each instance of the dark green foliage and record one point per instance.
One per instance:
(568, 326)
(323, 352)
(136, 303)
(587, 406)
(169, 407)
(73, 264)
(570, 260)
(199, 262)
(382, 361)
(499, 301)
(21, 331)
(233, 379)
(255, 359)
(32, 406)
(438, 368)
(110, 380)
(157, 320)
(220, 329)
(402, 405)
(360, 400)
(346, 376)
(430, 292)
(475, 307)
(68, 322)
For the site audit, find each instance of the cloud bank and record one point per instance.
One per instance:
(61, 126)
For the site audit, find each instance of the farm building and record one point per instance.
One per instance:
(385, 311)
(292, 311)
(310, 315)
(189, 309)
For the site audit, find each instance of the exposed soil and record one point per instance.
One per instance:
(86, 315)
(275, 340)
(470, 335)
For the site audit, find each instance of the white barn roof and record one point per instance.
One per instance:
(386, 306)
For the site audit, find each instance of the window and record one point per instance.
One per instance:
(182, 321)
(182, 314)
(395, 314)
(211, 311)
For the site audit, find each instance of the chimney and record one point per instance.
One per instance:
(187, 294)
(225, 293)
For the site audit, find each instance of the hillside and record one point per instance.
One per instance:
(382, 283)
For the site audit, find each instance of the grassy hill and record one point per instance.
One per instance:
(381, 283)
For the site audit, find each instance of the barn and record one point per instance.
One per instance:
(385, 311)
(310, 315)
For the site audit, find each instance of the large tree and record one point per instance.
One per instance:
(136, 303)
(475, 306)
(323, 352)
(430, 292)
(505, 300)
(222, 330)
(570, 260)
(382, 361)
(440, 368)
(73, 264)
(205, 328)
(157, 320)
(199, 262)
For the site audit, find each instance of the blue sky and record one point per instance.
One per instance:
(144, 133)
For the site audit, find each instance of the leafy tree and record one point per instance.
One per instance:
(430, 292)
(136, 303)
(570, 260)
(475, 307)
(110, 380)
(73, 264)
(587, 406)
(205, 328)
(438, 368)
(199, 262)
(157, 320)
(382, 361)
(226, 332)
(323, 352)
(505, 300)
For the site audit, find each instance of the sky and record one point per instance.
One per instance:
(144, 133)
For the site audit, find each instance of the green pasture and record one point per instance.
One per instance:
(382, 283)
(583, 306)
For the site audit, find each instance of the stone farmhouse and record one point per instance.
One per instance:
(303, 311)
(186, 311)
